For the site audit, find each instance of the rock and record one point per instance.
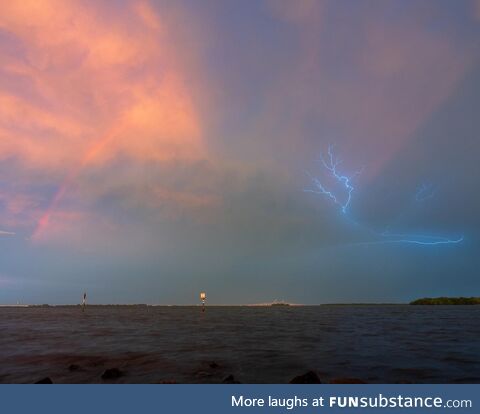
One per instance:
(230, 380)
(308, 378)
(347, 381)
(112, 373)
(45, 380)
(213, 365)
(203, 374)
(73, 367)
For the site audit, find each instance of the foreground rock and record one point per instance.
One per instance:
(308, 378)
(73, 367)
(45, 380)
(111, 374)
(203, 374)
(347, 381)
(230, 380)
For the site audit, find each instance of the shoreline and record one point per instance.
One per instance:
(123, 305)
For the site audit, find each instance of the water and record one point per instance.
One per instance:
(377, 344)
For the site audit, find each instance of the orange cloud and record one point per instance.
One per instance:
(73, 227)
(90, 83)
(89, 70)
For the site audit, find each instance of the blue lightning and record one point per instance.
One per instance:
(441, 240)
(425, 240)
(331, 166)
(423, 193)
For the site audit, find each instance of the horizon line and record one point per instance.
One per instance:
(24, 305)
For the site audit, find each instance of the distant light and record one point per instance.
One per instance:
(424, 192)
(203, 296)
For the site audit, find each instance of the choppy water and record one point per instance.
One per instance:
(255, 344)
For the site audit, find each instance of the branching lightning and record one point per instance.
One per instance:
(423, 193)
(433, 242)
(344, 180)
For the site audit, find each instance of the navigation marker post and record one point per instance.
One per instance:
(203, 298)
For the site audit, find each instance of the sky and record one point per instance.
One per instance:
(307, 151)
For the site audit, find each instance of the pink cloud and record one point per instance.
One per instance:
(296, 11)
(476, 9)
(370, 82)
(101, 71)
(101, 85)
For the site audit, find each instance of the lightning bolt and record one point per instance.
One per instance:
(423, 193)
(331, 165)
(426, 242)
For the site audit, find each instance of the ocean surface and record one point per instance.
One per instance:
(375, 344)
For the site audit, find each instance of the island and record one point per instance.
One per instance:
(447, 301)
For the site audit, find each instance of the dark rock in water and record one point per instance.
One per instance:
(347, 381)
(112, 373)
(45, 380)
(73, 367)
(166, 381)
(230, 380)
(309, 378)
(203, 374)
(214, 365)
(97, 362)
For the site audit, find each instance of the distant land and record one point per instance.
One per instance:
(422, 301)
(447, 301)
